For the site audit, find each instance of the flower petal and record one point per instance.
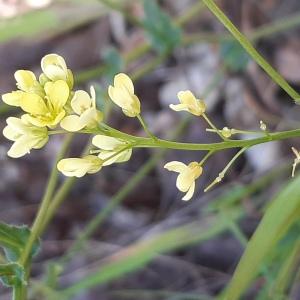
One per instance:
(71, 123)
(58, 94)
(91, 118)
(119, 158)
(175, 166)
(122, 80)
(54, 67)
(178, 107)
(78, 167)
(106, 142)
(22, 146)
(184, 180)
(33, 104)
(25, 79)
(190, 192)
(81, 101)
(13, 98)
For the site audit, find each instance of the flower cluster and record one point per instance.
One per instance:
(47, 102)
(50, 105)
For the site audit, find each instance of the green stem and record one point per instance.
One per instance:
(18, 292)
(35, 230)
(222, 174)
(160, 143)
(251, 50)
(206, 157)
(213, 127)
(61, 194)
(145, 127)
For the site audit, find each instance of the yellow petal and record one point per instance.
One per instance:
(33, 104)
(190, 192)
(58, 94)
(54, 67)
(71, 123)
(178, 107)
(13, 98)
(119, 158)
(22, 146)
(184, 180)
(106, 142)
(187, 97)
(10, 134)
(195, 169)
(25, 80)
(93, 96)
(193, 105)
(175, 166)
(91, 118)
(78, 167)
(123, 81)
(81, 101)
(17, 125)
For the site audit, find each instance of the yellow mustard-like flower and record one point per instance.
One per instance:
(78, 167)
(188, 102)
(187, 176)
(47, 111)
(111, 147)
(26, 82)
(13, 98)
(122, 94)
(87, 114)
(54, 67)
(26, 136)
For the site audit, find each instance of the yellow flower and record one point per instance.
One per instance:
(187, 176)
(78, 167)
(26, 82)
(110, 147)
(55, 68)
(87, 114)
(122, 94)
(188, 102)
(13, 98)
(25, 136)
(47, 111)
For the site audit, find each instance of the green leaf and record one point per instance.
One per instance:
(281, 214)
(13, 240)
(12, 274)
(164, 35)
(234, 56)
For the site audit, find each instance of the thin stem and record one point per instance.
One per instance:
(160, 143)
(213, 127)
(60, 195)
(236, 131)
(206, 157)
(18, 292)
(35, 230)
(222, 174)
(251, 50)
(145, 127)
(21, 292)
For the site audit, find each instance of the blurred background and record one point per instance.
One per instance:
(165, 46)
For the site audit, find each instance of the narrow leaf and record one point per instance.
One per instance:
(278, 218)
